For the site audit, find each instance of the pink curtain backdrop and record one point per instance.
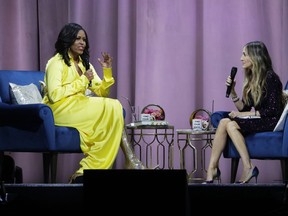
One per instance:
(173, 53)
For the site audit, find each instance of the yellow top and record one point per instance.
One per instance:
(98, 119)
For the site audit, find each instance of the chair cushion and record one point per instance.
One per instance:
(260, 145)
(67, 140)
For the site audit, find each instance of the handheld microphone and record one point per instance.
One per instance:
(87, 66)
(232, 75)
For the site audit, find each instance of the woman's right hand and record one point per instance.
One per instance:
(89, 74)
(228, 83)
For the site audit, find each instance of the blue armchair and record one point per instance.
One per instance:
(30, 127)
(262, 146)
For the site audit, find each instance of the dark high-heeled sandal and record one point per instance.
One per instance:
(253, 174)
(217, 177)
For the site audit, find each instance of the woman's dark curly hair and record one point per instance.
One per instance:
(66, 38)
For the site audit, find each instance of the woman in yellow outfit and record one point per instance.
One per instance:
(99, 119)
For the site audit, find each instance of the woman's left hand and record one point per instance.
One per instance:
(107, 60)
(233, 114)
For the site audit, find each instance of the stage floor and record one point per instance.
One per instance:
(223, 199)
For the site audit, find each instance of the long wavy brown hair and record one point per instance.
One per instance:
(255, 77)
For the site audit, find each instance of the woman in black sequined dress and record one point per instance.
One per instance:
(258, 110)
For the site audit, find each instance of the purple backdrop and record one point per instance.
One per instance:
(173, 53)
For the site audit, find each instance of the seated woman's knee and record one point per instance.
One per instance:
(232, 126)
(223, 122)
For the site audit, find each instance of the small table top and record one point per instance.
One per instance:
(196, 132)
(150, 125)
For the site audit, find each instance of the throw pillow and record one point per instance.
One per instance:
(89, 93)
(280, 124)
(25, 94)
(285, 97)
(42, 88)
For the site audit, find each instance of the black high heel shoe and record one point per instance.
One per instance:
(215, 177)
(253, 174)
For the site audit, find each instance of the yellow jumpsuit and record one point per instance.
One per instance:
(99, 120)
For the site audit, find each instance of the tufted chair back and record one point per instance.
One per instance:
(30, 127)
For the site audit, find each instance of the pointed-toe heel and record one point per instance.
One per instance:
(253, 174)
(217, 177)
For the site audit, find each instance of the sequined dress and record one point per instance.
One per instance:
(270, 108)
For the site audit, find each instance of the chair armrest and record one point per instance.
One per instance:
(31, 124)
(217, 116)
(15, 115)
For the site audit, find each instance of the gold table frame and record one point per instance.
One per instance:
(188, 136)
(160, 135)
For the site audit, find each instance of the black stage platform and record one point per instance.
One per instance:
(139, 198)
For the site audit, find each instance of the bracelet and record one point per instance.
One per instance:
(236, 99)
